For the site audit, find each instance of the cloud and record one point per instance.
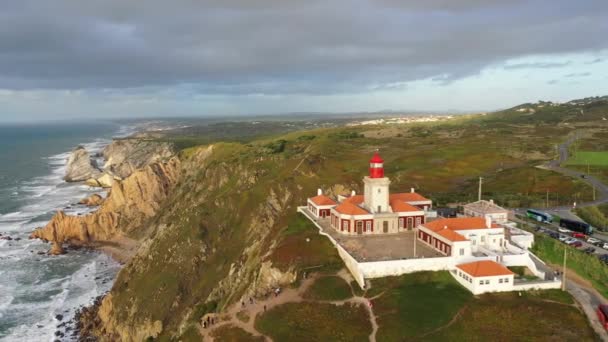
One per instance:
(578, 74)
(537, 65)
(595, 61)
(281, 47)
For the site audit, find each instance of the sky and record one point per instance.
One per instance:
(70, 59)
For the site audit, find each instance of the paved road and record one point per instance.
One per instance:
(601, 189)
(589, 299)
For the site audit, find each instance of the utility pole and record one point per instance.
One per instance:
(564, 270)
(547, 206)
(479, 192)
(415, 240)
(594, 193)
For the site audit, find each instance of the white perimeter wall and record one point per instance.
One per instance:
(379, 269)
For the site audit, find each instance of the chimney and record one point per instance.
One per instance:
(445, 227)
(353, 193)
(319, 192)
(491, 201)
(488, 222)
(412, 190)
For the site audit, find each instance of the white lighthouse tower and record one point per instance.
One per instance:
(375, 193)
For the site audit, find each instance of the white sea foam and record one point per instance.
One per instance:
(59, 285)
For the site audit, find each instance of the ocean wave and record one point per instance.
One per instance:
(79, 276)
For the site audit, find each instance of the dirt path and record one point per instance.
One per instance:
(252, 310)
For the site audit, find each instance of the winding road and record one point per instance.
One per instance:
(582, 291)
(556, 165)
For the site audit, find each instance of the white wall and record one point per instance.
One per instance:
(379, 269)
(475, 287)
(540, 285)
(349, 261)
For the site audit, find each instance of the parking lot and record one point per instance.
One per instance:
(566, 237)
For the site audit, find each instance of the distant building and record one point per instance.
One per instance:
(484, 276)
(377, 211)
(447, 212)
(486, 209)
(461, 237)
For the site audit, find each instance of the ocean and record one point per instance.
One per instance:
(35, 288)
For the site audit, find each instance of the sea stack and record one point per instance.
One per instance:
(80, 166)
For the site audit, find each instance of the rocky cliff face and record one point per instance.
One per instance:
(129, 203)
(209, 246)
(80, 166)
(124, 156)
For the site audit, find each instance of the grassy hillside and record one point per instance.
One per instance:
(232, 218)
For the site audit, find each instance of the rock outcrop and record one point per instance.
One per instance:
(92, 201)
(128, 204)
(57, 249)
(80, 166)
(104, 181)
(124, 156)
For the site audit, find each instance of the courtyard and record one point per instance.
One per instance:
(380, 247)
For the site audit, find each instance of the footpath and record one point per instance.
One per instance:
(243, 314)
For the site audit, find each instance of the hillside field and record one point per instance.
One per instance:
(593, 158)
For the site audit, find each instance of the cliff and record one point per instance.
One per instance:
(129, 203)
(80, 166)
(124, 156)
(210, 245)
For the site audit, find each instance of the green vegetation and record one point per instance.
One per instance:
(585, 265)
(329, 288)
(522, 272)
(506, 316)
(594, 216)
(231, 333)
(589, 158)
(236, 209)
(301, 247)
(309, 322)
(415, 304)
(432, 306)
(276, 146)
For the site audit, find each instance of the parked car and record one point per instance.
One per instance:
(553, 234)
(602, 314)
(605, 245)
(577, 244)
(589, 250)
(578, 235)
(603, 258)
(563, 238)
(563, 230)
(570, 241)
(593, 241)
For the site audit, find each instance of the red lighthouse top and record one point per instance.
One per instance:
(376, 166)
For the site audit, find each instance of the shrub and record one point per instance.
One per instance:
(594, 216)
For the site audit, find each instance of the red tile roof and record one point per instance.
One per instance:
(459, 223)
(408, 197)
(451, 235)
(322, 200)
(357, 199)
(350, 209)
(400, 206)
(485, 268)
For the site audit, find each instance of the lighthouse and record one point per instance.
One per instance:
(376, 166)
(376, 192)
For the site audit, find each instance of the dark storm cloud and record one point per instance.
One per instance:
(280, 47)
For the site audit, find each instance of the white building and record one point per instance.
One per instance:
(484, 276)
(462, 236)
(485, 209)
(377, 211)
